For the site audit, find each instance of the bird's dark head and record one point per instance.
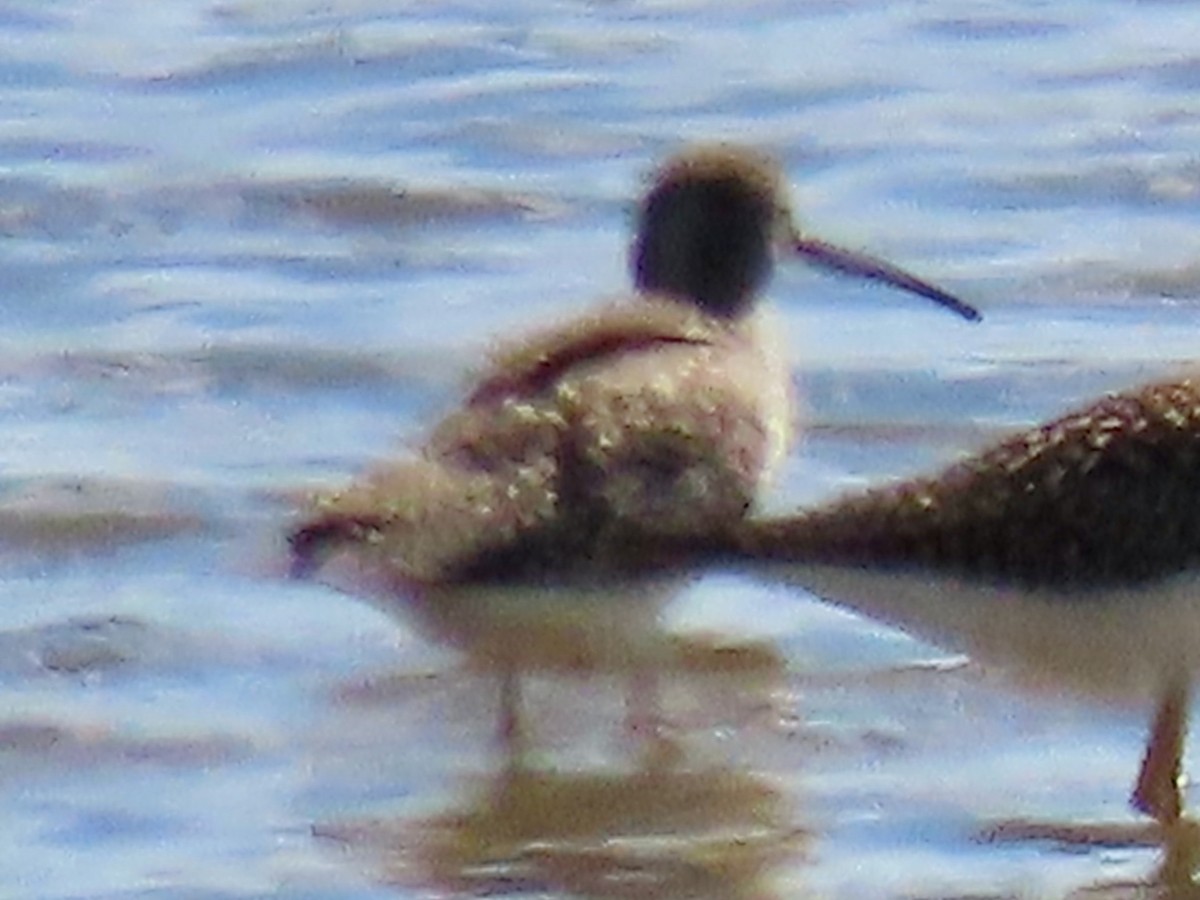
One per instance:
(709, 227)
(714, 221)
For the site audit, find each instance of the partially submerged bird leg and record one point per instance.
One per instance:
(1157, 790)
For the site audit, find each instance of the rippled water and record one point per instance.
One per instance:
(249, 246)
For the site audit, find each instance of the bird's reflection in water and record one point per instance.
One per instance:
(664, 829)
(1172, 880)
(676, 813)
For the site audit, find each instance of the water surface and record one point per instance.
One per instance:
(250, 246)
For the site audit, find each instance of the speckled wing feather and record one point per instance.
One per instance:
(591, 448)
(1107, 495)
(523, 368)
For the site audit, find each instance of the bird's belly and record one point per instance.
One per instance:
(593, 624)
(1117, 643)
(587, 626)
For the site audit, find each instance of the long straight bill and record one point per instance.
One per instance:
(850, 262)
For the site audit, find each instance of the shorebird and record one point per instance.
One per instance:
(586, 455)
(1070, 552)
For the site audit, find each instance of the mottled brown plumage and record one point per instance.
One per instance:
(1105, 496)
(578, 472)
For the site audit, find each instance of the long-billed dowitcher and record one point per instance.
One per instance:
(586, 453)
(1070, 552)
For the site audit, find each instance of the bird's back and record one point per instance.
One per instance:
(1108, 495)
(591, 448)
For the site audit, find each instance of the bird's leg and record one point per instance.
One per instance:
(643, 715)
(1157, 791)
(511, 734)
(644, 721)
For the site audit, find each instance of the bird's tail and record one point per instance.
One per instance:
(312, 542)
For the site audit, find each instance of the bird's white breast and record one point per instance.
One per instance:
(1117, 643)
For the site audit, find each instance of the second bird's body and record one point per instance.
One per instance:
(1069, 554)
